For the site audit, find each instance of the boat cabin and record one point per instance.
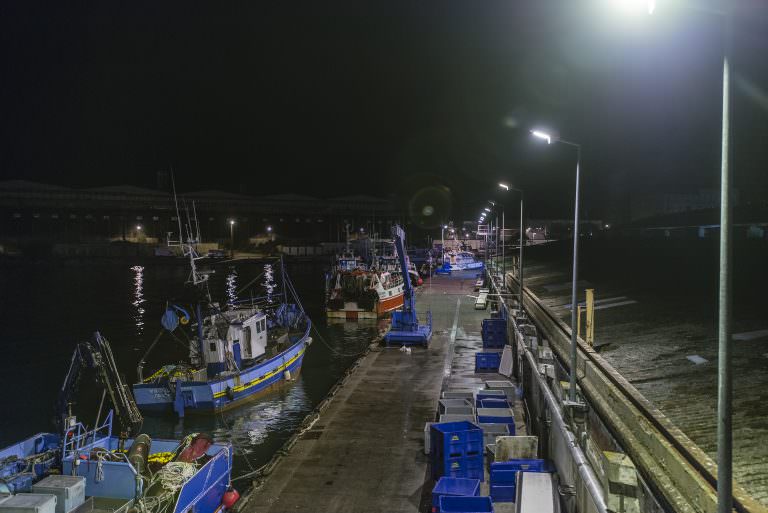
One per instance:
(231, 337)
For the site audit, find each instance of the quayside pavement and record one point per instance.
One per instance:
(365, 452)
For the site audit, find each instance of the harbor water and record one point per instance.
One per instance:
(47, 308)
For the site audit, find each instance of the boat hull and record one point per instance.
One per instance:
(207, 397)
(381, 309)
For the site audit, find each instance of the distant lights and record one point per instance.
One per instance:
(487, 209)
(269, 229)
(231, 222)
(138, 227)
(635, 6)
(504, 186)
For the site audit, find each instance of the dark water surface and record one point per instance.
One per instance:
(47, 308)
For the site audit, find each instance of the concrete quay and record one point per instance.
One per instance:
(365, 452)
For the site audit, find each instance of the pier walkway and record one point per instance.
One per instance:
(365, 453)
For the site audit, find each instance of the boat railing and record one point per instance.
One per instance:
(77, 437)
(215, 473)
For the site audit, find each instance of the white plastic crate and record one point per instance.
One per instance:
(69, 490)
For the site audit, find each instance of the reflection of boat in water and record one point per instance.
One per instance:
(356, 291)
(99, 470)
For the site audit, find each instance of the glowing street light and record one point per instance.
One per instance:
(635, 6)
(507, 187)
(574, 305)
(542, 135)
(487, 209)
(232, 238)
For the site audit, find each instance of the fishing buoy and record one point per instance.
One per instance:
(419, 281)
(287, 375)
(230, 498)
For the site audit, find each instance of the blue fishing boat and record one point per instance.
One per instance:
(94, 470)
(236, 353)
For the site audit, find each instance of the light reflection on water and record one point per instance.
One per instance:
(231, 286)
(138, 299)
(125, 301)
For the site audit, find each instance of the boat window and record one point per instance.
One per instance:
(258, 327)
(212, 347)
(263, 325)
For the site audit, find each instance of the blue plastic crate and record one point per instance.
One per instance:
(492, 402)
(526, 465)
(452, 439)
(487, 361)
(455, 486)
(506, 477)
(449, 504)
(470, 467)
(503, 493)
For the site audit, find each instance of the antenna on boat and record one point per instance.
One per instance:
(189, 243)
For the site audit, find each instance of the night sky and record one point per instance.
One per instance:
(427, 101)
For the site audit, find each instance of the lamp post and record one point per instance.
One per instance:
(232, 238)
(508, 187)
(724, 374)
(574, 309)
(442, 241)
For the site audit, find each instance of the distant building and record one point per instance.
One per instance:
(655, 204)
(37, 211)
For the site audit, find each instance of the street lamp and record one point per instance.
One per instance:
(232, 238)
(442, 240)
(574, 334)
(507, 187)
(724, 375)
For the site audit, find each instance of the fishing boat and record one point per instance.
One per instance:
(106, 470)
(354, 290)
(237, 352)
(460, 260)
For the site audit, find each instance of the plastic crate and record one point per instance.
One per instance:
(487, 361)
(69, 491)
(455, 486)
(490, 394)
(469, 467)
(449, 504)
(492, 402)
(453, 439)
(503, 493)
(532, 465)
(497, 416)
(503, 476)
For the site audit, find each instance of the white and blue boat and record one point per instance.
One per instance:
(237, 354)
(117, 474)
(97, 470)
(460, 260)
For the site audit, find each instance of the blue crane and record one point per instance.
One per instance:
(405, 328)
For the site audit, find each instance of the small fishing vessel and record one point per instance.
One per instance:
(236, 353)
(354, 290)
(460, 260)
(103, 470)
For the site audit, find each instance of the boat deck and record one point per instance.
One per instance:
(365, 453)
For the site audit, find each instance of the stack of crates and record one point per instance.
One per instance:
(456, 450)
(504, 476)
(453, 487)
(487, 361)
(494, 333)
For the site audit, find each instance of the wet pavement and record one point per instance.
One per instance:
(664, 341)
